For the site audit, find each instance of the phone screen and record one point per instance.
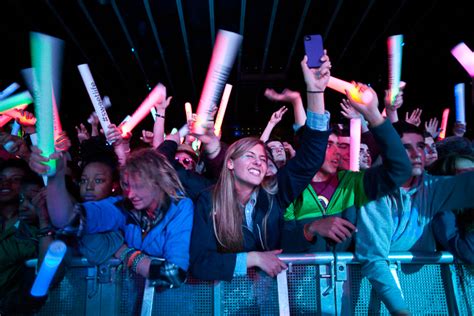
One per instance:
(313, 45)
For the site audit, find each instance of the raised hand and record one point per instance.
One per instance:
(36, 161)
(62, 143)
(286, 95)
(414, 118)
(370, 110)
(398, 99)
(348, 110)
(432, 127)
(317, 78)
(334, 228)
(278, 115)
(82, 133)
(289, 149)
(93, 120)
(267, 261)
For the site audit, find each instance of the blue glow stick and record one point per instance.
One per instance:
(9, 90)
(460, 105)
(52, 260)
(15, 128)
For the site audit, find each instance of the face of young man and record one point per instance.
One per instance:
(278, 152)
(415, 147)
(343, 143)
(365, 161)
(431, 153)
(332, 159)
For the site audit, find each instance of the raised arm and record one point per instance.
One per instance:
(159, 126)
(292, 97)
(274, 120)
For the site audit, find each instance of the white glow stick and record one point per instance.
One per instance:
(225, 50)
(444, 124)
(15, 100)
(355, 130)
(222, 108)
(341, 86)
(153, 113)
(465, 57)
(460, 106)
(52, 260)
(184, 130)
(94, 95)
(394, 44)
(189, 111)
(9, 90)
(156, 96)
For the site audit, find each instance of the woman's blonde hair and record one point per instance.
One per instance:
(227, 214)
(153, 169)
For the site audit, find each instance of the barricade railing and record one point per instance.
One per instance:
(315, 284)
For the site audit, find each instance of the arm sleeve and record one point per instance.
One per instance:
(102, 216)
(396, 167)
(168, 149)
(450, 192)
(368, 138)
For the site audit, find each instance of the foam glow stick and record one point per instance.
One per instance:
(155, 96)
(222, 108)
(189, 111)
(52, 260)
(153, 113)
(9, 90)
(465, 57)
(460, 106)
(34, 142)
(15, 100)
(225, 50)
(4, 119)
(355, 130)
(444, 124)
(394, 44)
(94, 95)
(44, 51)
(15, 114)
(56, 120)
(15, 128)
(341, 85)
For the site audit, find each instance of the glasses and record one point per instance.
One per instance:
(185, 161)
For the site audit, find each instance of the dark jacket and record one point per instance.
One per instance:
(207, 262)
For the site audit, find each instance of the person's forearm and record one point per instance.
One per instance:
(267, 132)
(60, 206)
(316, 102)
(392, 115)
(159, 128)
(299, 112)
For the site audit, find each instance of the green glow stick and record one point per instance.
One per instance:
(15, 100)
(44, 53)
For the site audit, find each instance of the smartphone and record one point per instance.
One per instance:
(313, 45)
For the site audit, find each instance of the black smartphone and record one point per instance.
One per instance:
(313, 45)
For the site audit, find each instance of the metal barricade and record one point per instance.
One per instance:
(315, 284)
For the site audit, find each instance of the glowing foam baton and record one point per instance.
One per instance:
(155, 96)
(52, 260)
(444, 124)
(34, 142)
(15, 128)
(15, 100)
(225, 50)
(222, 108)
(4, 119)
(9, 90)
(44, 56)
(465, 57)
(94, 95)
(189, 111)
(460, 107)
(355, 130)
(341, 86)
(394, 44)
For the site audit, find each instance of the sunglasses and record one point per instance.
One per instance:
(185, 161)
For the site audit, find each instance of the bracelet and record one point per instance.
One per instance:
(132, 257)
(159, 115)
(125, 254)
(136, 261)
(309, 91)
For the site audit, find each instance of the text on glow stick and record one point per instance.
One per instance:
(355, 132)
(15, 101)
(9, 90)
(157, 95)
(459, 95)
(189, 111)
(94, 95)
(44, 55)
(52, 260)
(225, 50)
(222, 109)
(465, 57)
(341, 86)
(444, 124)
(394, 44)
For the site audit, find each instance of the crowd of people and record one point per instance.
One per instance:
(168, 210)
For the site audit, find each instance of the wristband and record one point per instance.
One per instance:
(132, 257)
(125, 254)
(308, 91)
(136, 261)
(160, 116)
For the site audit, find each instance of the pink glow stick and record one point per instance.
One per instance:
(394, 44)
(4, 119)
(189, 111)
(444, 124)
(225, 50)
(465, 57)
(222, 108)
(355, 130)
(341, 86)
(460, 106)
(155, 96)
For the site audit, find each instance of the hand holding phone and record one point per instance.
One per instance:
(313, 45)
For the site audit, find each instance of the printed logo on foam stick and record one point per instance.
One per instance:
(223, 56)
(394, 44)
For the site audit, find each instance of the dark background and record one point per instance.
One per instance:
(131, 45)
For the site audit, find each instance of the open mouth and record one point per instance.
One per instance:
(255, 172)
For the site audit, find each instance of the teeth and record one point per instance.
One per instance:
(254, 172)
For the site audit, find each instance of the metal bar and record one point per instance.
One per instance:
(283, 301)
(154, 29)
(212, 22)
(269, 35)
(186, 44)
(148, 295)
(333, 18)
(130, 41)
(297, 38)
(217, 298)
